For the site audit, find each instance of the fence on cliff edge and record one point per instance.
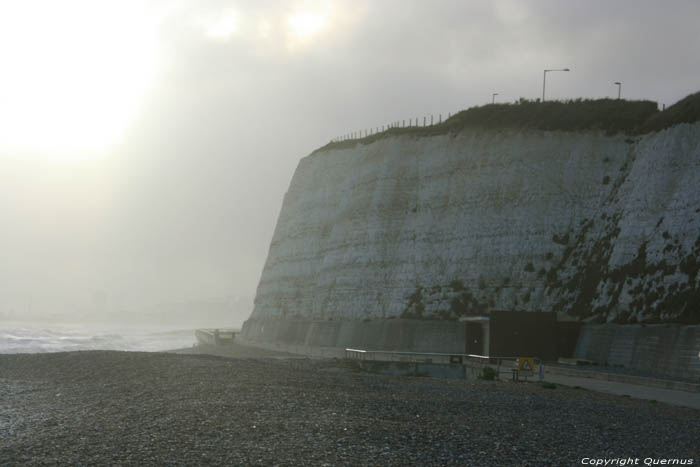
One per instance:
(428, 120)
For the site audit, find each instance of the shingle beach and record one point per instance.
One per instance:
(124, 408)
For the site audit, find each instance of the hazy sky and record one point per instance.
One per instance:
(145, 147)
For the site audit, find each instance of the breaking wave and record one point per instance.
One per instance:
(61, 338)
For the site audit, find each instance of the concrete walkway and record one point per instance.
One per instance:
(631, 388)
(668, 396)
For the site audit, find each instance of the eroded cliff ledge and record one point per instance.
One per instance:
(591, 225)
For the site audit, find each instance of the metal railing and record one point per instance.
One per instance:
(418, 357)
(428, 120)
(507, 365)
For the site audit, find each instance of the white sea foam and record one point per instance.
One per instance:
(28, 338)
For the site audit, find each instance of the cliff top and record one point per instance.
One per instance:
(609, 115)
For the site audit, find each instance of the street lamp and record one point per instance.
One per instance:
(493, 97)
(544, 79)
(619, 88)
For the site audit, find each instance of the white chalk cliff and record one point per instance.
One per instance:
(585, 224)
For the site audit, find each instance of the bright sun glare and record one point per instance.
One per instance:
(305, 24)
(73, 73)
(223, 27)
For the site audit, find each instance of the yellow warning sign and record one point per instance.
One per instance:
(526, 365)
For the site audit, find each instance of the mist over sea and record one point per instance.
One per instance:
(42, 338)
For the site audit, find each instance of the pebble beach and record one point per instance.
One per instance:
(254, 407)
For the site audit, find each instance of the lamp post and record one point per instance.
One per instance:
(544, 79)
(493, 97)
(619, 88)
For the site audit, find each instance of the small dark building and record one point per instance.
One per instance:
(520, 334)
(523, 334)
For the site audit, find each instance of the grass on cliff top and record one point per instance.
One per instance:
(608, 115)
(687, 110)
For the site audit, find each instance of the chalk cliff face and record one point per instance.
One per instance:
(587, 225)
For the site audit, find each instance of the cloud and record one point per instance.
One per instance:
(184, 207)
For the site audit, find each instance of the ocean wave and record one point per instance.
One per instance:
(40, 339)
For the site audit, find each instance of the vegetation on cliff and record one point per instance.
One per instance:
(609, 115)
(686, 110)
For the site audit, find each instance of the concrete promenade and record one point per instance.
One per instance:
(633, 386)
(638, 391)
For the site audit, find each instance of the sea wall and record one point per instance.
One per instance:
(389, 335)
(592, 226)
(663, 350)
(669, 351)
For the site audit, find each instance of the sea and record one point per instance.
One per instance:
(38, 338)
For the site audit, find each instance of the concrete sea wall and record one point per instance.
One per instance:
(664, 350)
(669, 351)
(391, 335)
